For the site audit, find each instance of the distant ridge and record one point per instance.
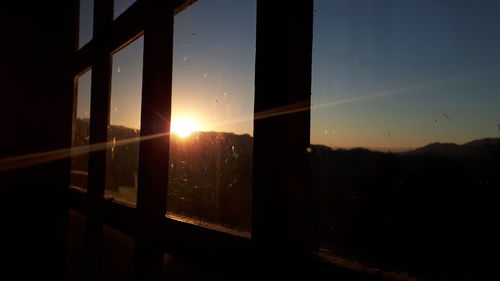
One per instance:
(474, 147)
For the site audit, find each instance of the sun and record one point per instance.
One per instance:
(184, 127)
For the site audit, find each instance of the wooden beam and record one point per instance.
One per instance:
(154, 152)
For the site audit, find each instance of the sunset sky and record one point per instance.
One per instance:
(405, 73)
(387, 74)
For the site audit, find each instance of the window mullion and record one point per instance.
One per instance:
(154, 146)
(100, 96)
(281, 128)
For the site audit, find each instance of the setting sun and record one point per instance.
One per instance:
(184, 127)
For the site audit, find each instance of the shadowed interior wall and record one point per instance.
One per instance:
(35, 107)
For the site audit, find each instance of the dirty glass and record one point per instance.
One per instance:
(122, 155)
(212, 115)
(86, 23)
(405, 130)
(81, 132)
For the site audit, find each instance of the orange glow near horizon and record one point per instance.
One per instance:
(184, 127)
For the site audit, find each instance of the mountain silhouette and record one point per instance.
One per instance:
(420, 211)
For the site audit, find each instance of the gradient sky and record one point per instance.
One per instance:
(126, 85)
(83, 94)
(405, 73)
(387, 74)
(213, 70)
(86, 22)
(214, 61)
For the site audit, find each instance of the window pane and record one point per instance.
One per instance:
(405, 132)
(86, 22)
(125, 121)
(212, 115)
(121, 6)
(81, 130)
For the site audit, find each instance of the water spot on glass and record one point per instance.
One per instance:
(113, 144)
(225, 94)
(116, 108)
(309, 149)
(185, 58)
(326, 132)
(205, 75)
(447, 117)
(118, 70)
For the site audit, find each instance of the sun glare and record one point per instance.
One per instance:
(184, 127)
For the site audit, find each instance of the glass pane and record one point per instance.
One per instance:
(125, 120)
(121, 6)
(405, 132)
(212, 115)
(81, 130)
(86, 22)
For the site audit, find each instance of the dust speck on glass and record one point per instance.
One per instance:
(212, 115)
(122, 156)
(405, 147)
(81, 132)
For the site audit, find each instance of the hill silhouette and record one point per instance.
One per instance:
(210, 173)
(423, 211)
(420, 211)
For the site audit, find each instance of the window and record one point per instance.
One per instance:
(81, 132)
(210, 169)
(238, 133)
(86, 22)
(404, 131)
(124, 124)
(121, 6)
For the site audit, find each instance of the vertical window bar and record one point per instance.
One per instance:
(281, 131)
(154, 146)
(100, 97)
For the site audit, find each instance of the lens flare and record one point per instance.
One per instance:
(184, 127)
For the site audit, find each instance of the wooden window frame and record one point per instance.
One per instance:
(283, 210)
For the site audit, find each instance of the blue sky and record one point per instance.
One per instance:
(416, 71)
(387, 74)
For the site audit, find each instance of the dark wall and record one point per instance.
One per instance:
(35, 110)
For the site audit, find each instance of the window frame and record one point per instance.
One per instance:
(283, 209)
